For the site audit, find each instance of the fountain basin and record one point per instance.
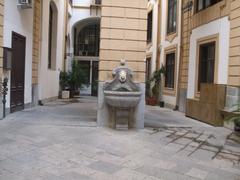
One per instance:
(121, 99)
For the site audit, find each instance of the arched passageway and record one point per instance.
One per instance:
(86, 40)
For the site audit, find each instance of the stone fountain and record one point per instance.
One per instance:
(122, 96)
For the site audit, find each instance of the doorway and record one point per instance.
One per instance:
(17, 72)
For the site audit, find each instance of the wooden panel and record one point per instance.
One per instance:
(208, 107)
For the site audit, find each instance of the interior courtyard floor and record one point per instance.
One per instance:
(61, 140)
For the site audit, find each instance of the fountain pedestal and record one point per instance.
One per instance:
(123, 100)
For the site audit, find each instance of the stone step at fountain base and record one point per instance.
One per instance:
(122, 118)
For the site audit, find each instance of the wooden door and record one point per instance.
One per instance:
(17, 72)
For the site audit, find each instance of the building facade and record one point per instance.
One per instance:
(197, 41)
(32, 34)
(163, 48)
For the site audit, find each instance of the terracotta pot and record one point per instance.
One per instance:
(151, 101)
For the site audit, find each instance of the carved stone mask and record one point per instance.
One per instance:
(122, 76)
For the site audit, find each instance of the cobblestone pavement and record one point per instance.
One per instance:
(60, 140)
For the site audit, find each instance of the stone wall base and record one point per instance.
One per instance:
(232, 98)
(182, 100)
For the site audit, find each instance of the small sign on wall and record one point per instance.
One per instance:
(7, 58)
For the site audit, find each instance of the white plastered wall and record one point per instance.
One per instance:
(21, 22)
(49, 78)
(222, 28)
(153, 48)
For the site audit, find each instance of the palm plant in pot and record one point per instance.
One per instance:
(154, 88)
(157, 87)
(150, 99)
(76, 78)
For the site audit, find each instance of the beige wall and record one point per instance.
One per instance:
(123, 35)
(192, 20)
(1, 36)
(36, 40)
(234, 53)
(185, 35)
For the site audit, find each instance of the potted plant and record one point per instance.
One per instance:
(64, 85)
(154, 88)
(234, 117)
(150, 99)
(76, 79)
(157, 88)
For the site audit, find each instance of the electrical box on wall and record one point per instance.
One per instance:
(7, 58)
(24, 4)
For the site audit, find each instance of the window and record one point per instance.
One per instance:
(170, 70)
(149, 27)
(206, 63)
(172, 16)
(52, 35)
(99, 2)
(148, 68)
(88, 39)
(203, 4)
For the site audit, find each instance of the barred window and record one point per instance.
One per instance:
(149, 27)
(206, 63)
(172, 16)
(203, 4)
(170, 70)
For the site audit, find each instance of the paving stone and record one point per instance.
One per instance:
(197, 173)
(126, 174)
(210, 148)
(222, 175)
(168, 165)
(203, 155)
(61, 141)
(75, 176)
(105, 167)
(183, 141)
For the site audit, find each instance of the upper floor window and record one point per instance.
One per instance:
(52, 35)
(98, 2)
(203, 4)
(149, 27)
(172, 16)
